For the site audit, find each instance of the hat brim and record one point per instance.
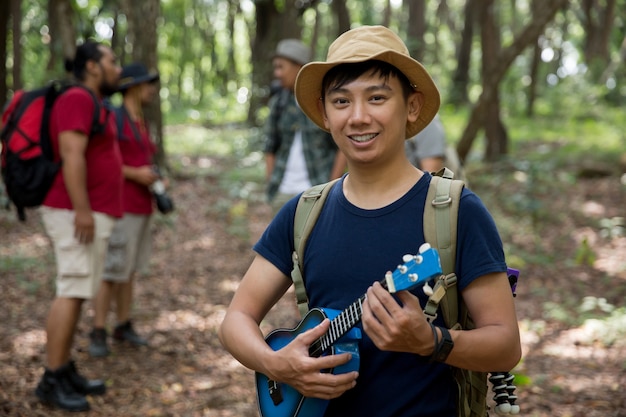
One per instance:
(309, 84)
(148, 78)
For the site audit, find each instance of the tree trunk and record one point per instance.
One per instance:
(597, 20)
(5, 13)
(263, 42)
(460, 79)
(16, 13)
(416, 28)
(118, 37)
(272, 26)
(387, 14)
(142, 17)
(533, 70)
(495, 132)
(506, 57)
(532, 86)
(62, 33)
(340, 10)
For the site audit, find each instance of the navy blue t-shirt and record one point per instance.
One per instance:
(348, 250)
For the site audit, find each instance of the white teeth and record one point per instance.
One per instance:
(363, 138)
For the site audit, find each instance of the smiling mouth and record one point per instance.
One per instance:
(363, 138)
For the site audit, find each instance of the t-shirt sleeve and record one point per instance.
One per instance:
(74, 111)
(276, 243)
(479, 246)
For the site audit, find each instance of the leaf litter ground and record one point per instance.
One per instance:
(570, 367)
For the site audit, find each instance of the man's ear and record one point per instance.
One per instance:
(92, 67)
(322, 110)
(415, 103)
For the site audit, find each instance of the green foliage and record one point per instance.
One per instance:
(21, 269)
(603, 321)
(585, 255)
(599, 321)
(612, 228)
(206, 71)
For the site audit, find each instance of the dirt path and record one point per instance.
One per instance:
(200, 254)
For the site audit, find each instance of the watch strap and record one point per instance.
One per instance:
(443, 347)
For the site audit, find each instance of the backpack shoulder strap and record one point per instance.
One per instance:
(119, 122)
(307, 211)
(440, 230)
(96, 125)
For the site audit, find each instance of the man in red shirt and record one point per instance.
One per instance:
(78, 215)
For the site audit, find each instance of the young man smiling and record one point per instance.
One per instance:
(371, 96)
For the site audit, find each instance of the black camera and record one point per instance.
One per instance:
(163, 200)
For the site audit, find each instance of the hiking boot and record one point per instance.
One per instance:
(83, 385)
(98, 343)
(55, 388)
(125, 332)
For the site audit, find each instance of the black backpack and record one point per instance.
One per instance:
(28, 166)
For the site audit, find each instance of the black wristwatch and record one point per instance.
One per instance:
(443, 349)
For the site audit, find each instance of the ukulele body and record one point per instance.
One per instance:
(281, 400)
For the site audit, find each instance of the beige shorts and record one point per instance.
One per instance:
(79, 266)
(129, 248)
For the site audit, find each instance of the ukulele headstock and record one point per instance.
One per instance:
(414, 270)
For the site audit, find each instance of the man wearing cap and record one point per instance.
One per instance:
(371, 95)
(298, 154)
(130, 242)
(79, 213)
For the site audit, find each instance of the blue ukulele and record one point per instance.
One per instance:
(281, 400)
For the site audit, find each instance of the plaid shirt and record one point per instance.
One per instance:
(317, 145)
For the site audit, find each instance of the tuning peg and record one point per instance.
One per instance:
(427, 289)
(424, 247)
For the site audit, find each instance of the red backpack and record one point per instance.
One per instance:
(28, 166)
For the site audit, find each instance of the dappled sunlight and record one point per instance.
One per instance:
(29, 245)
(29, 343)
(204, 242)
(205, 163)
(593, 209)
(577, 343)
(229, 285)
(611, 259)
(188, 319)
(528, 337)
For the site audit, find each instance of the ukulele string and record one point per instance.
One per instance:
(340, 325)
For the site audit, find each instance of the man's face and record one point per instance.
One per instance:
(110, 71)
(367, 117)
(286, 72)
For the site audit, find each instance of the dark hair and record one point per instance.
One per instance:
(88, 51)
(343, 74)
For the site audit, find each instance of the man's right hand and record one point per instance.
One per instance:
(84, 227)
(304, 373)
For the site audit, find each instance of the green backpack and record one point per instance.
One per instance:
(440, 229)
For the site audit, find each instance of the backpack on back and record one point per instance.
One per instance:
(28, 168)
(440, 230)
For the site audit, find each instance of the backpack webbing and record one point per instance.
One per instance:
(441, 213)
(440, 230)
(307, 212)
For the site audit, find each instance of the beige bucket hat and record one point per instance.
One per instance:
(363, 44)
